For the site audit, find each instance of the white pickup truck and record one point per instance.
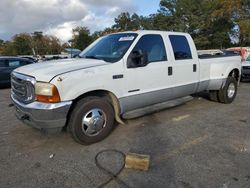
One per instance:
(119, 75)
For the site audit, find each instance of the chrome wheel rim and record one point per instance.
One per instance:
(231, 90)
(93, 122)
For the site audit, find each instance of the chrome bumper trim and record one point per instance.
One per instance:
(42, 115)
(42, 106)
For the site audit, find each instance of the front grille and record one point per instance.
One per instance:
(245, 67)
(22, 88)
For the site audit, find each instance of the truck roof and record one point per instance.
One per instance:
(153, 32)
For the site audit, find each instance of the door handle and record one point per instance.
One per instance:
(170, 71)
(194, 67)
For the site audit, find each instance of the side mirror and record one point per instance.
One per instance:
(137, 58)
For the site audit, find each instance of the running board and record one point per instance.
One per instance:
(156, 107)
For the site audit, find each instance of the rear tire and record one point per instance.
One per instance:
(91, 120)
(228, 93)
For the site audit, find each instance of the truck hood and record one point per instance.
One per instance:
(47, 70)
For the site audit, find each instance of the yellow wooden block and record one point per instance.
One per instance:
(137, 161)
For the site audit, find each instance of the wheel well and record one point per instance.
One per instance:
(235, 73)
(107, 95)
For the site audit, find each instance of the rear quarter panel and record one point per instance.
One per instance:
(219, 69)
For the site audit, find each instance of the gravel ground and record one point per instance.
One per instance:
(198, 144)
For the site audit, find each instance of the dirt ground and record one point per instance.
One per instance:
(198, 144)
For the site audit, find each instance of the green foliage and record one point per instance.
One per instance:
(162, 22)
(1, 46)
(244, 25)
(8, 48)
(125, 22)
(24, 44)
(81, 38)
(212, 23)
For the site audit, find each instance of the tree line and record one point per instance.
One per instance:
(212, 24)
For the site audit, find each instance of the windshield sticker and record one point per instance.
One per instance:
(127, 38)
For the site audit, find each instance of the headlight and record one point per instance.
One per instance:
(46, 92)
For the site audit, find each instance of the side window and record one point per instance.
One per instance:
(14, 63)
(180, 47)
(3, 63)
(154, 46)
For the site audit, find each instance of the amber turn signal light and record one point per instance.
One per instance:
(53, 98)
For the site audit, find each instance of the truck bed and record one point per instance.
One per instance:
(209, 56)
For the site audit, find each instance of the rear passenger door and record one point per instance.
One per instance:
(185, 66)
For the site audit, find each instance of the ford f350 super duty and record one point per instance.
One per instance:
(118, 76)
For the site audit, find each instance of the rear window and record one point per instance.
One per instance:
(180, 47)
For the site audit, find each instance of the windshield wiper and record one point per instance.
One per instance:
(91, 57)
(94, 57)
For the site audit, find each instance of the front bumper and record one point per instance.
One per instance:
(42, 115)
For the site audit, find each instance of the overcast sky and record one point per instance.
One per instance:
(58, 17)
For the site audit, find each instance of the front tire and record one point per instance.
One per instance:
(228, 93)
(91, 120)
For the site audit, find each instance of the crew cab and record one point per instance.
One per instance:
(117, 76)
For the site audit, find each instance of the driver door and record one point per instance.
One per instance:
(151, 83)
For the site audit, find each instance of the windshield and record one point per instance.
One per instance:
(110, 48)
